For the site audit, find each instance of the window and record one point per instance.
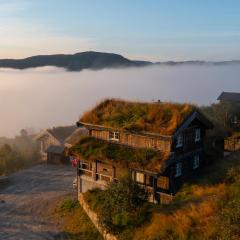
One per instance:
(163, 182)
(180, 140)
(139, 177)
(85, 165)
(114, 136)
(197, 134)
(178, 169)
(235, 120)
(133, 175)
(149, 180)
(196, 162)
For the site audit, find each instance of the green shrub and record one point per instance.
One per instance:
(122, 206)
(233, 175)
(17, 153)
(68, 205)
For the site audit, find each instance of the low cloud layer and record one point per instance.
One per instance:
(46, 97)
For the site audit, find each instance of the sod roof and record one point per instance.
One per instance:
(90, 148)
(161, 118)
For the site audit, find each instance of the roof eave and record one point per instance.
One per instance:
(194, 115)
(96, 126)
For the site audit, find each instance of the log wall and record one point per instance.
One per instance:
(136, 140)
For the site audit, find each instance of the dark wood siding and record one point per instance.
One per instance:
(189, 143)
(187, 169)
(135, 140)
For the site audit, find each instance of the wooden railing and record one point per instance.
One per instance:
(231, 144)
(89, 173)
(86, 172)
(103, 177)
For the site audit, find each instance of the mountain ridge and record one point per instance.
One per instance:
(94, 61)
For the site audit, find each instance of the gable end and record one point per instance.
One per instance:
(194, 115)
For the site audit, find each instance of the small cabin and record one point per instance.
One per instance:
(51, 143)
(55, 155)
(231, 101)
(160, 144)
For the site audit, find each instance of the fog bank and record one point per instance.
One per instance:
(46, 97)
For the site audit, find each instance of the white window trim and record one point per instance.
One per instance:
(179, 143)
(196, 161)
(114, 138)
(178, 169)
(197, 134)
(140, 177)
(235, 119)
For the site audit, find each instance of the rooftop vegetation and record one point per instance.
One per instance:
(91, 148)
(161, 118)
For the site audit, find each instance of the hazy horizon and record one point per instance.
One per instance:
(46, 97)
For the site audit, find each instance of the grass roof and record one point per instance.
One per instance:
(162, 118)
(90, 148)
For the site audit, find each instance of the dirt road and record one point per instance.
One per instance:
(29, 193)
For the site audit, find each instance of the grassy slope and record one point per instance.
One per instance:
(196, 210)
(194, 214)
(73, 221)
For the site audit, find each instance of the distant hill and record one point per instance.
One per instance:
(75, 62)
(90, 60)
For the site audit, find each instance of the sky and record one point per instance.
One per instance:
(156, 30)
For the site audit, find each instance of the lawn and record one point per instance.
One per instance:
(74, 222)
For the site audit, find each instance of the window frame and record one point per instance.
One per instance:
(179, 143)
(115, 136)
(197, 134)
(138, 174)
(178, 169)
(196, 161)
(235, 119)
(86, 166)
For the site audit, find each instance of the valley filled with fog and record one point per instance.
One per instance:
(47, 97)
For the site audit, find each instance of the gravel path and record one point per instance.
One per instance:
(28, 194)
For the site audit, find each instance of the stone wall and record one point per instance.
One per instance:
(93, 216)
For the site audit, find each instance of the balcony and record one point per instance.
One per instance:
(85, 172)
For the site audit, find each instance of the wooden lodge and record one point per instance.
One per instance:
(160, 162)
